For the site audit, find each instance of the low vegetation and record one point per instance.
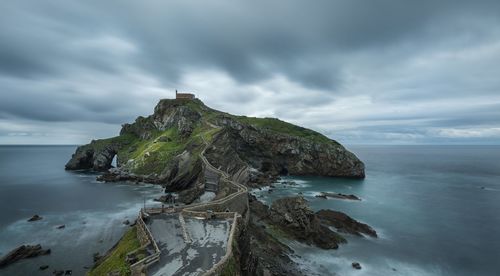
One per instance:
(115, 260)
(279, 126)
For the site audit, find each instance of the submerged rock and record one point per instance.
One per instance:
(23, 252)
(43, 267)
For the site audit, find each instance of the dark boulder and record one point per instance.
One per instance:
(356, 265)
(97, 257)
(35, 218)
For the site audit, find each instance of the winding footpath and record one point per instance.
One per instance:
(196, 210)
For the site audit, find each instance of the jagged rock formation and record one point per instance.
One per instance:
(261, 253)
(164, 148)
(293, 215)
(23, 252)
(93, 156)
(294, 150)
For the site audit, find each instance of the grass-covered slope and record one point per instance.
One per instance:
(278, 126)
(115, 259)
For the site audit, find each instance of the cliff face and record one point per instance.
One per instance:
(164, 147)
(274, 152)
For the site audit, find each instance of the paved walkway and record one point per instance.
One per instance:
(207, 244)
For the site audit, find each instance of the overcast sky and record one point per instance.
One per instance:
(361, 72)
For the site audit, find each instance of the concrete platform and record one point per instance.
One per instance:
(207, 247)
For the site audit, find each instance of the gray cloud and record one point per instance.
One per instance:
(376, 71)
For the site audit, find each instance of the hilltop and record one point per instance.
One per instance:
(164, 148)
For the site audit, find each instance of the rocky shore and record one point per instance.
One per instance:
(290, 218)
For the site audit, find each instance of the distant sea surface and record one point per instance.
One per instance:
(436, 210)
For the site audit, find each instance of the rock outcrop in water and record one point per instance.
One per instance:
(326, 195)
(293, 216)
(23, 252)
(290, 218)
(261, 252)
(35, 218)
(344, 223)
(164, 148)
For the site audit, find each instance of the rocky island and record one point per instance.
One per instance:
(190, 149)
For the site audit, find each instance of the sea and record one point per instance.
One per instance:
(436, 210)
(33, 181)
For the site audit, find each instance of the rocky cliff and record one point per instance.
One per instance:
(164, 148)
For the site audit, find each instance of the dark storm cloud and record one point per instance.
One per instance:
(324, 64)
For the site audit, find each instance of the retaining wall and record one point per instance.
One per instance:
(225, 261)
(146, 237)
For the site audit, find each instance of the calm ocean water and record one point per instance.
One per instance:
(436, 209)
(33, 181)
